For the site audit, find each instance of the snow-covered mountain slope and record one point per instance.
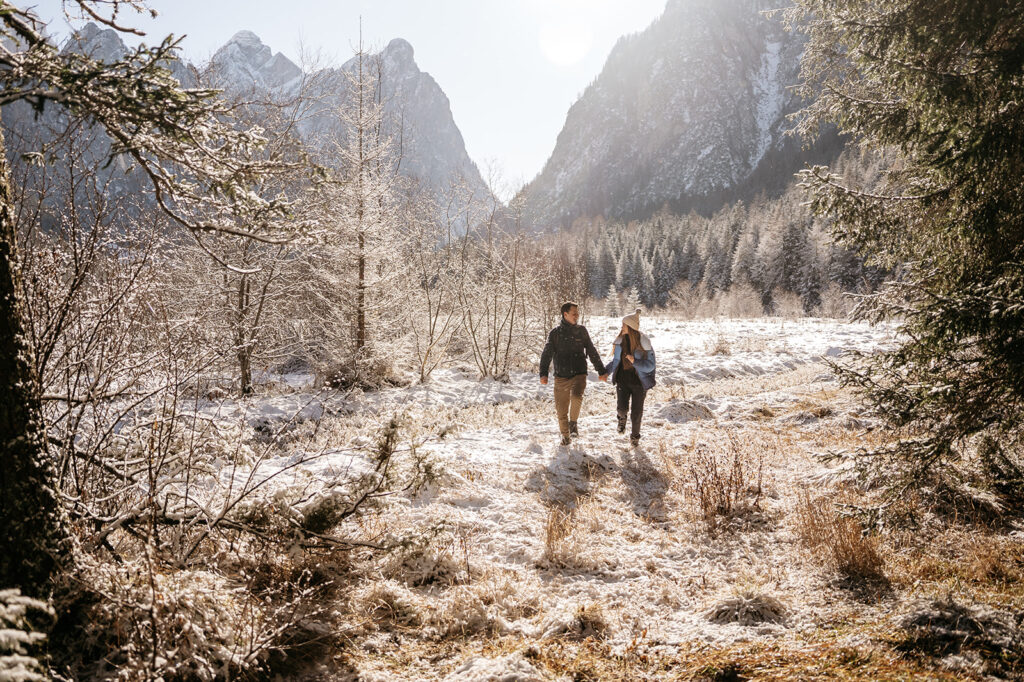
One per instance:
(690, 113)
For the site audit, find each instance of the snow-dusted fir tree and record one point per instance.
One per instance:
(664, 277)
(648, 288)
(611, 301)
(632, 301)
(602, 270)
(742, 269)
(202, 169)
(941, 85)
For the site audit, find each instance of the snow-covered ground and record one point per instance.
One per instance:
(630, 547)
(688, 353)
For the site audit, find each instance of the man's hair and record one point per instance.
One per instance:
(568, 305)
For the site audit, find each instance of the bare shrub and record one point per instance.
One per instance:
(584, 621)
(387, 602)
(591, 620)
(150, 623)
(366, 370)
(485, 606)
(718, 344)
(425, 555)
(973, 638)
(726, 484)
(839, 540)
(741, 300)
(497, 296)
(788, 305)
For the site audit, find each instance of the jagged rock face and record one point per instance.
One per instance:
(432, 145)
(245, 62)
(417, 115)
(103, 45)
(432, 149)
(687, 113)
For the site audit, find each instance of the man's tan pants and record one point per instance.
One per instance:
(569, 400)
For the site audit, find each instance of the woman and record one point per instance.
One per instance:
(632, 372)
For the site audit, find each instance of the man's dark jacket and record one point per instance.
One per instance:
(569, 344)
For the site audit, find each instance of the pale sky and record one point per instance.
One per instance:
(510, 68)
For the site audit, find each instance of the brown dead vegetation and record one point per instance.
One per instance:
(839, 541)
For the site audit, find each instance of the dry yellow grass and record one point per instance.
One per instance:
(567, 541)
(838, 540)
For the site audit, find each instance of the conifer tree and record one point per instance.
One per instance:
(743, 258)
(611, 301)
(632, 300)
(792, 258)
(939, 86)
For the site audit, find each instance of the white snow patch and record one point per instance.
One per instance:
(770, 98)
(510, 668)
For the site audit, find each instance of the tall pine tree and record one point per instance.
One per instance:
(939, 86)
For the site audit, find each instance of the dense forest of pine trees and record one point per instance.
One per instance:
(771, 248)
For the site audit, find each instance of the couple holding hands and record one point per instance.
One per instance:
(631, 370)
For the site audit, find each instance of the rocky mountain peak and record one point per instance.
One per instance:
(245, 61)
(103, 44)
(400, 53)
(248, 45)
(247, 39)
(433, 150)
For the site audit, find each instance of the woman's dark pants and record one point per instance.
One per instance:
(624, 393)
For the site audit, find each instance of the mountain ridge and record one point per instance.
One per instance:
(690, 113)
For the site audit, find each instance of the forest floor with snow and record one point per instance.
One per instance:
(704, 553)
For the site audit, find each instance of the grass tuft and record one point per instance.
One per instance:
(839, 540)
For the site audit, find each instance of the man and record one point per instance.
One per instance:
(569, 345)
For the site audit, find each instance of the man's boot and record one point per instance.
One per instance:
(566, 440)
(573, 431)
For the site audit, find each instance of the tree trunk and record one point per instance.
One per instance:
(245, 370)
(243, 344)
(32, 529)
(361, 293)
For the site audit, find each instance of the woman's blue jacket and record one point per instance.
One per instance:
(644, 366)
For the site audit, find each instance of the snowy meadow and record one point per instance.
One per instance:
(493, 552)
